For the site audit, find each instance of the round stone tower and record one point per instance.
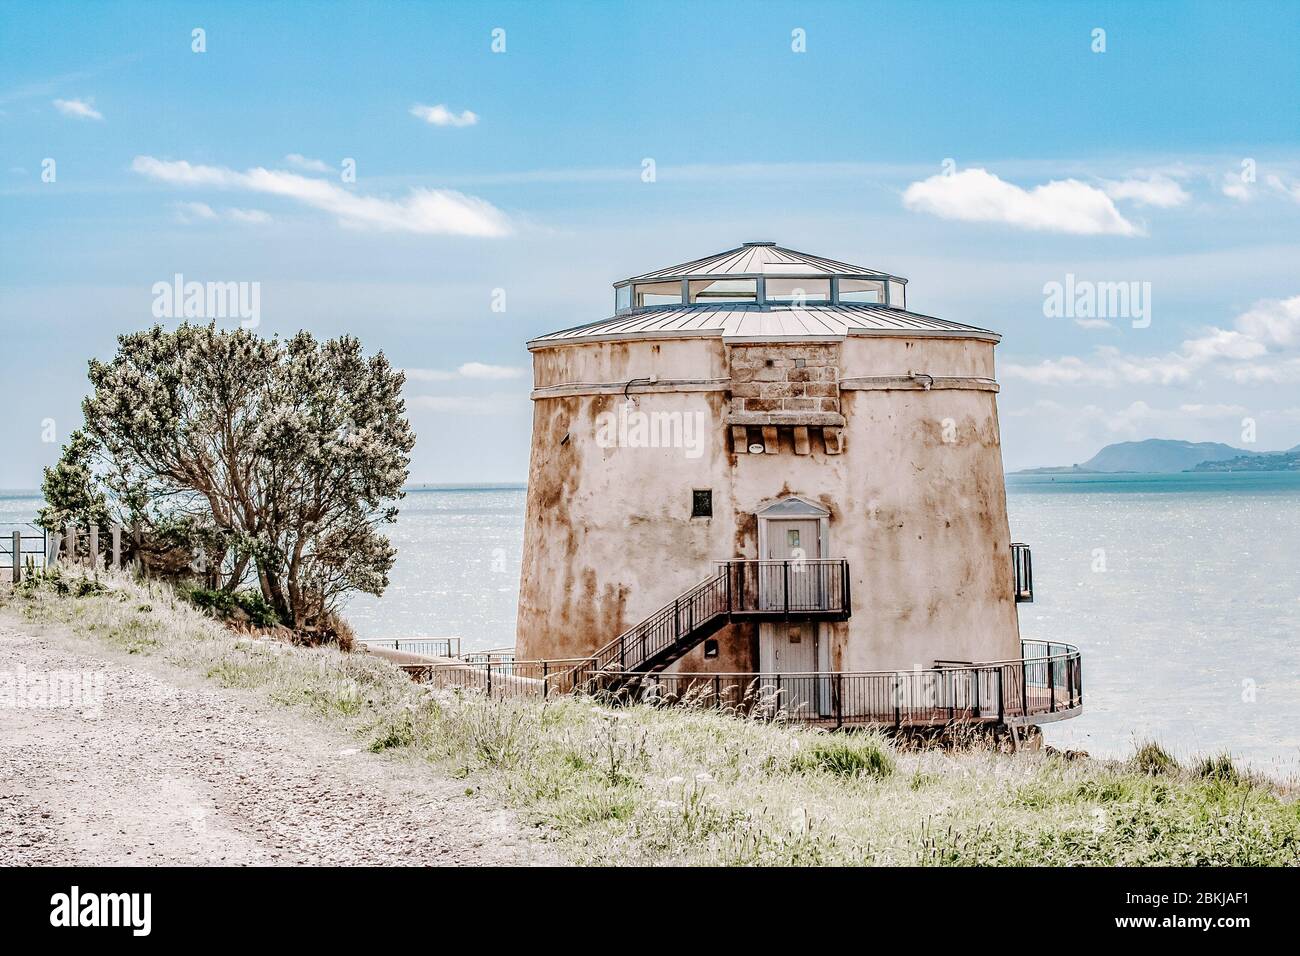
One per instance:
(781, 425)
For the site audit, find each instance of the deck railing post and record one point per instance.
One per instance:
(898, 711)
(839, 699)
(786, 573)
(975, 693)
(1002, 710)
(489, 678)
(717, 691)
(1024, 685)
(1051, 683)
(546, 678)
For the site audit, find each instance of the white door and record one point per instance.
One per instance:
(796, 540)
(790, 649)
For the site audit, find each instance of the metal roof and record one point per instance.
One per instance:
(740, 321)
(761, 258)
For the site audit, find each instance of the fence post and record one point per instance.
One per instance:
(1001, 707)
(18, 556)
(117, 547)
(94, 546)
(70, 543)
(898, 711)
(489, 678)
(1051, 683)
(546, 683)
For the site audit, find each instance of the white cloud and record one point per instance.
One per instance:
(1289, 189)
(470, 370)
(310, 165)
(194, 211)
(425, 211)
(190, 212)
(441, 116)
(253, 216)
(78, 109)
(1234, 187)
(1159, 191)
(976, 195)
(1254, 350)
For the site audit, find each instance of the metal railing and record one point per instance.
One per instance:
(805, 588)
(739, 589)
(505, 680)
(426, 646)
(1023, 570)
(1044, 684)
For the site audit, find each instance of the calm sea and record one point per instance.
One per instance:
(1183, 591)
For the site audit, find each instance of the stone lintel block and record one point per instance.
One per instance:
(812, 419)
(762, 404)
(799, 405)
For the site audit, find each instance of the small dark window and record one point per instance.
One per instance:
(711, 647)
(702, 504)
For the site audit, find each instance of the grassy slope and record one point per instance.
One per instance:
(639, 785)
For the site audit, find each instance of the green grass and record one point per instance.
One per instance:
(646, 785)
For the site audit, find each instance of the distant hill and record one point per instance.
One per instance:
(1154, 455)
(1268, 461)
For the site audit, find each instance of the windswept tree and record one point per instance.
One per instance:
(274, 460)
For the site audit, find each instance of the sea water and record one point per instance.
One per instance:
(1182, 592)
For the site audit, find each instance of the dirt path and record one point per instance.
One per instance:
(177, 771)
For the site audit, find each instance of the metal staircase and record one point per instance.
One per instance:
(739, 590)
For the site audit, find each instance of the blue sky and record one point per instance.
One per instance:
(1115, 166)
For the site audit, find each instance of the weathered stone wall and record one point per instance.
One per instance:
(917, 499)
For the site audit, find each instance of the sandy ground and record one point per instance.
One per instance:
(177, 771)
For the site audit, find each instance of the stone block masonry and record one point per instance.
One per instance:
(776, 377)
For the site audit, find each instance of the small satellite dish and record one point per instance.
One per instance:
(756, 449)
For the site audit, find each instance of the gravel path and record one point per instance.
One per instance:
(177, 771)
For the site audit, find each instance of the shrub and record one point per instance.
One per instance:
(864, 756)
(228, 605)
(1218, 767)
(1153, 760)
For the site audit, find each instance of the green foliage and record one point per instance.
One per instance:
(1154, 760)
(228, 605)
(233, 453)
(847, 756)
(1218, 767)
(72, 494)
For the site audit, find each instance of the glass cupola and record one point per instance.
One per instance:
(760, 274)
